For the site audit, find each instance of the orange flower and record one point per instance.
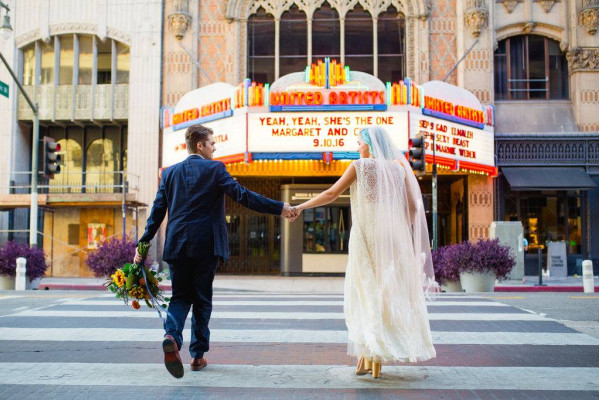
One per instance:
(142, 281)
(135, 304)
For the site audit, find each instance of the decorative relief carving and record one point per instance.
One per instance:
(546, 4)
(178, 24)
(589, 96)
(119, 35)
(72, 27)
(27, 37)
(528, 27)
(589, 16)
(509, 5)
(548, 150)
(583, 59)
(476, 17)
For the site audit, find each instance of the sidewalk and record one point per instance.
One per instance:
(317, 284)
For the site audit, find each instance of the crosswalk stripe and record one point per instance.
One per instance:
(293, 303)
(130, 313)
(302, 376)
(289, 336)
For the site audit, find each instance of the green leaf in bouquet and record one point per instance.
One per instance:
(159, 279)
(148, 303)
(167, 299)
(164, 306)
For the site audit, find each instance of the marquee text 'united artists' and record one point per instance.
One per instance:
(317, 98)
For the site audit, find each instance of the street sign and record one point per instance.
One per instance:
(4, 89)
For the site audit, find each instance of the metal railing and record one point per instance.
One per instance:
(112, 182)
(545, 80)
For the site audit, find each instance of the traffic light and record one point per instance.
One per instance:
(51, 158)
(417, 156)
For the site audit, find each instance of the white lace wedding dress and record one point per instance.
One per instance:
(384, 302)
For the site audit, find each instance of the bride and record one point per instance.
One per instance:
(389, 267)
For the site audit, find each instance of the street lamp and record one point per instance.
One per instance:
(6, 30)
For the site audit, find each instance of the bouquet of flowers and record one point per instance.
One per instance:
(137, 282)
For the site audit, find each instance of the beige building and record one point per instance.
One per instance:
(94, 69)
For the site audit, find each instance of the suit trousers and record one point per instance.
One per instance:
(191, 279)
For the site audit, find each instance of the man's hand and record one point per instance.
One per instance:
(289, 212)
(138, 257)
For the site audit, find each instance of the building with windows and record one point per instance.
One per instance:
(94, 70)
(534, 61)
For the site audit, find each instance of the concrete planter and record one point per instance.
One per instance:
(33, 284)
(478, 282)
(453, 286)
(7, 282)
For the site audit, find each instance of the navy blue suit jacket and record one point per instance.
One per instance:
(193, 193)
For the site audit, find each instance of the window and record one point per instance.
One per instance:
(85, 59)
(358, 39)
(326, 34)
(110, 55)
(391, 45)
(122, 63)
(325, 41)
(261, 33)
(29, 65)
(66, 60)
(293, 46)
(104, 62)
(530, 67)
(47, 76)
(326, 230)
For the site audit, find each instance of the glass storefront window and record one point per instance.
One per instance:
(326, 230)
(29, 65)
(85, 59)
(325, 33)
(391, 45)
(261, 47)
(66, 60)
(547, 218)
(358, 40)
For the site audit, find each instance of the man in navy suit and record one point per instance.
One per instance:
(192, 192)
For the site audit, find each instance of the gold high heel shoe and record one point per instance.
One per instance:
(376, 369)
(364, 366)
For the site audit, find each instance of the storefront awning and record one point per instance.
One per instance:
(533, 178)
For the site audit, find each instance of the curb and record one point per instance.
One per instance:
(521, 289)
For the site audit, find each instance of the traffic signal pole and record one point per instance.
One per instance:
(34, 157)
(435, 228)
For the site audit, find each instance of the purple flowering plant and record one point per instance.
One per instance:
(449, 260)
(491, 256)
(111, 255)
(486, 255)
(36, 259)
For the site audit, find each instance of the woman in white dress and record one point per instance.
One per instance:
(389, 268)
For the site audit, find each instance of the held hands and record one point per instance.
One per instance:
(290, 213)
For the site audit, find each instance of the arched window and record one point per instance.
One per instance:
(391, 45)
(293, 46)
(261, 47)
(358, 40)
(326, 33)
(530, 67)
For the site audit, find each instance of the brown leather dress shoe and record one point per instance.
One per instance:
(172, 360)
(198, 363)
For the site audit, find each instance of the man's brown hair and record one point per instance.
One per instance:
(195, 134)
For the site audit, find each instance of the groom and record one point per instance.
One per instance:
(196, 239)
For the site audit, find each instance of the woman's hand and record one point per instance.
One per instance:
(297, 212)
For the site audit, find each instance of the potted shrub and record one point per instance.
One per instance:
(447, 272)
(490, 261)
(36, 264)
(110, 255)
